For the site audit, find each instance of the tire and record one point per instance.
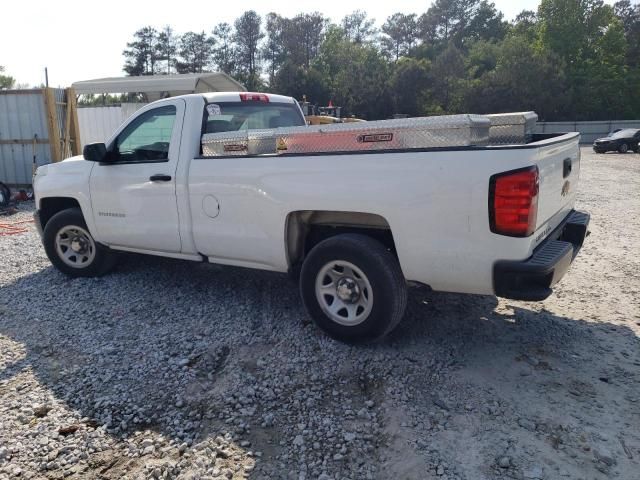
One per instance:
(5, 195)
(71, 248)
(623, 148)
(373, 292)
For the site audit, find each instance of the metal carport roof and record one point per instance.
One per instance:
(157, 86)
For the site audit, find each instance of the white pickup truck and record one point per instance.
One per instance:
(356, 227)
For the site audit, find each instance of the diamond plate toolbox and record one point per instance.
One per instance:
(511, 128)
(409, 133)
(239, 143)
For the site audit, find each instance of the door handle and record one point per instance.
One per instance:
(159, 177)
(566, 167)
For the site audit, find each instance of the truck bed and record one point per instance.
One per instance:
(433, 199)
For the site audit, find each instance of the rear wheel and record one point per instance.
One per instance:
(72, 249)
(353, 288)
(623, 148)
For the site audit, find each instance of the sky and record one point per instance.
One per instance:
(83, 40)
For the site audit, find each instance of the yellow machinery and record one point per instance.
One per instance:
(316, 115)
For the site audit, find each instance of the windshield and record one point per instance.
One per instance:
(234, 116)
(629, 132)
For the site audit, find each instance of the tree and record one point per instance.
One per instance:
(460, 21)
(603, 92)
(525, 78)
(167, 48)
(629, 15)
(446, 20)
(590, 40)
(247, 38)
(301, 38)
(298, 81)
(140, 55)
(572, 59)
(486, 23)
(196, 51)
(400, 34)
(526, 25)
(6, 81)
(273, 51)
(308, 28)
(358, 27)
(448, 72)
(410, 86)
(223, 51)
(357, 75)
(296, 40)
(482, 58)
(570, 28)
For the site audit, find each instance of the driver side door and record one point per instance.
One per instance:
(133, 195)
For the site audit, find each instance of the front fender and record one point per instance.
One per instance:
(66, 180)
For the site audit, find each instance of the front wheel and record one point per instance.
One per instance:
(72, 249)
(624, 148)
(353, 288)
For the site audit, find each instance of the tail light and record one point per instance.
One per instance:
(254, 97)
(513, 202)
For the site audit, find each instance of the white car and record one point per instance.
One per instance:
(356, 226)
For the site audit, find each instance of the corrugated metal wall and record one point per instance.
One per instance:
(97, 124)
(589, 130)
(22, 116)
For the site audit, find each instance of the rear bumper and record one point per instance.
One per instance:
(533, 279)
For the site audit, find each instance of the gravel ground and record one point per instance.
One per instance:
(168, 369)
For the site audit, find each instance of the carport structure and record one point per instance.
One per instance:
(155, 87)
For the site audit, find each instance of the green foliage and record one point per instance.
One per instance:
(196, 53)
(140, 55)
(629, 15)
(410, 86)
(108, 100)
(523, 79)
(297, 81)
(166, 49)
(400, 33)
(224, 50)
(6, 81)
(358, 27)
(570, 60)
(248, 34)
(356, 73)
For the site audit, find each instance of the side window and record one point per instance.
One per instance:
(148, 137)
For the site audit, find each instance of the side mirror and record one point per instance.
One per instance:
(95, 152)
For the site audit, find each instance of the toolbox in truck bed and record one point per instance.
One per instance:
(399, 134)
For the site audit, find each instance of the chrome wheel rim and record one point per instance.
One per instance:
(344, 293)
(75, 246)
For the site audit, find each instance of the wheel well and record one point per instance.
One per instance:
(52, 205)
(307, 228)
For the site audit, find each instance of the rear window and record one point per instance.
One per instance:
(629, 132)
(236, 116)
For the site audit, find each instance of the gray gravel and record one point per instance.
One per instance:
(168, 369)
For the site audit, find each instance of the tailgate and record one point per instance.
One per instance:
(559, 169)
